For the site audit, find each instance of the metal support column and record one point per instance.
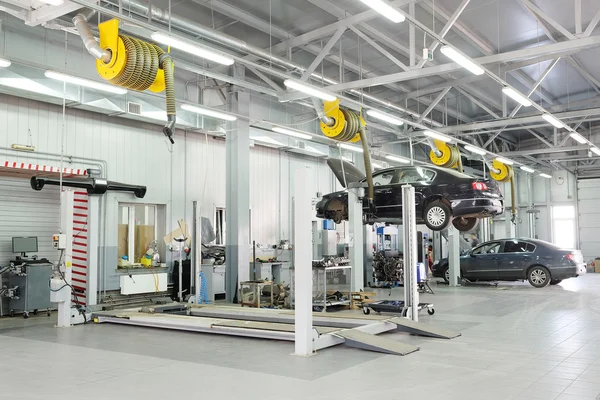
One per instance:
(369, 242)
(453, 255)
(409, 224)
(237, 163)
(93, 227)
(66, 226)
(356, 242)
(302, 265)
(437, 246)
(485, 230)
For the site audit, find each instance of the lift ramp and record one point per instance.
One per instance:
(421, 329)
(367, 341)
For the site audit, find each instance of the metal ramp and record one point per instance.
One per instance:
(421, 329)
(367, 341)
(268, 326)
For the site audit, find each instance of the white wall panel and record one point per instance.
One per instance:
(588, 193)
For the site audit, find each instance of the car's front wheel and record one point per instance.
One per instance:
(539, 276)
(465, 224)
(447, 275)
(437, 215)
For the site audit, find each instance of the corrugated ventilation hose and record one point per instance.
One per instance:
(346, 125)
(505, 173)
(139, 68)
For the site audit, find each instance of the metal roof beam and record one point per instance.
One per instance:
(433, 104)
(523, 153)
(379, 48)
(324, 52)
(451, 21)
(581, 44)
(593, 23)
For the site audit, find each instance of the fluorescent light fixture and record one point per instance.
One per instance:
(398, 159)
(104, 87)
(475, 150)
(578, 138)
(208, 112)
(266, 139)
(518, 97)
(438, 136)
(4, 63)
(546, 176)
(375, 165)
(461, 60)
(308, 89)
(527, 169)
(505, 160)
(383, 8)
(290, 132)
(53, 2)
(193, 49)
(554, 121)
(351, 148)
(347, 159)
(595, 150)
(384, 117)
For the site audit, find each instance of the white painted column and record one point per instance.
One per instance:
(356, 239)
(453, 254)
(485, 230)
(66, 226)
(93, 226)
(302, 264)
(409, 225)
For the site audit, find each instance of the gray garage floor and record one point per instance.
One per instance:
(518, 343)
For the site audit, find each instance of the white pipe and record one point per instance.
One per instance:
(88, 39)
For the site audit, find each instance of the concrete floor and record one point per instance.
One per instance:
(518, 343)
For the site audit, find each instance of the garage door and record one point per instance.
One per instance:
(26, 212)
(588, 191)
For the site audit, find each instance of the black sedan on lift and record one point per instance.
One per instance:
(442, 195)
(539, 262)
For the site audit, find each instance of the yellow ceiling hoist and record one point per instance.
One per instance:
(344, 125)
(448, 156)
(130, 63)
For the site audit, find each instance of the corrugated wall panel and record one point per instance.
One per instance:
(588, 192)
(25, 212)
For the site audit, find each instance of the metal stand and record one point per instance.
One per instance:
(485, 230)
(355, 244)
(411, 291)
(454, 255)
(66, 212)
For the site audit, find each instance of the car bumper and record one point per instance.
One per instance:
(477, 207)
(437, 271)
(565, 272)
(581, 269)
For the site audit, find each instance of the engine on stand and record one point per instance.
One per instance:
(388, 271)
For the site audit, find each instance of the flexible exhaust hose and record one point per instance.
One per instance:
(513, 200)
(167, 66)
(88, 39)
(368, 166)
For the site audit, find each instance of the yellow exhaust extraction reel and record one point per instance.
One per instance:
(445, 155)
(131, 63)
(504, 173)
(344, 125)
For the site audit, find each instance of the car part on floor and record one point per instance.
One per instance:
(395, 307)
(131, 63)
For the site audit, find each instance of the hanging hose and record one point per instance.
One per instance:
(504, 173)
(445, 155)
(345, 125)
(131, 63)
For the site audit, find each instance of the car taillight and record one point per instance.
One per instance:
(571, 257)
(479, 186)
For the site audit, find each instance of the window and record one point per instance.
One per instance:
(384, 178)
(414, 175)
(563, 221)
(489, 248)
(514, 246)
(137, 229)
(220, 226)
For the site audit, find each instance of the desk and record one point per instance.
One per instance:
(278, 272)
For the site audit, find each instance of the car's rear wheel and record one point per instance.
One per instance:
(437, 215)
(539, 276)
(447, 275)
(465, 224)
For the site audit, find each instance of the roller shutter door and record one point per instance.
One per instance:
(26, 212)
(588, 191)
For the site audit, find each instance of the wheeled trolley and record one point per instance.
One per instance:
(394, 306)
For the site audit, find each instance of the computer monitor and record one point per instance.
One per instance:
(25, 245)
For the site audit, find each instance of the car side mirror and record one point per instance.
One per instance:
(472, 255)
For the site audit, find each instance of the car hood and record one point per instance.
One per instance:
(344, 171)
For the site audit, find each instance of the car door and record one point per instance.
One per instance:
(385, 194)
(482, 263)
(418, 177)
(514, 258)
